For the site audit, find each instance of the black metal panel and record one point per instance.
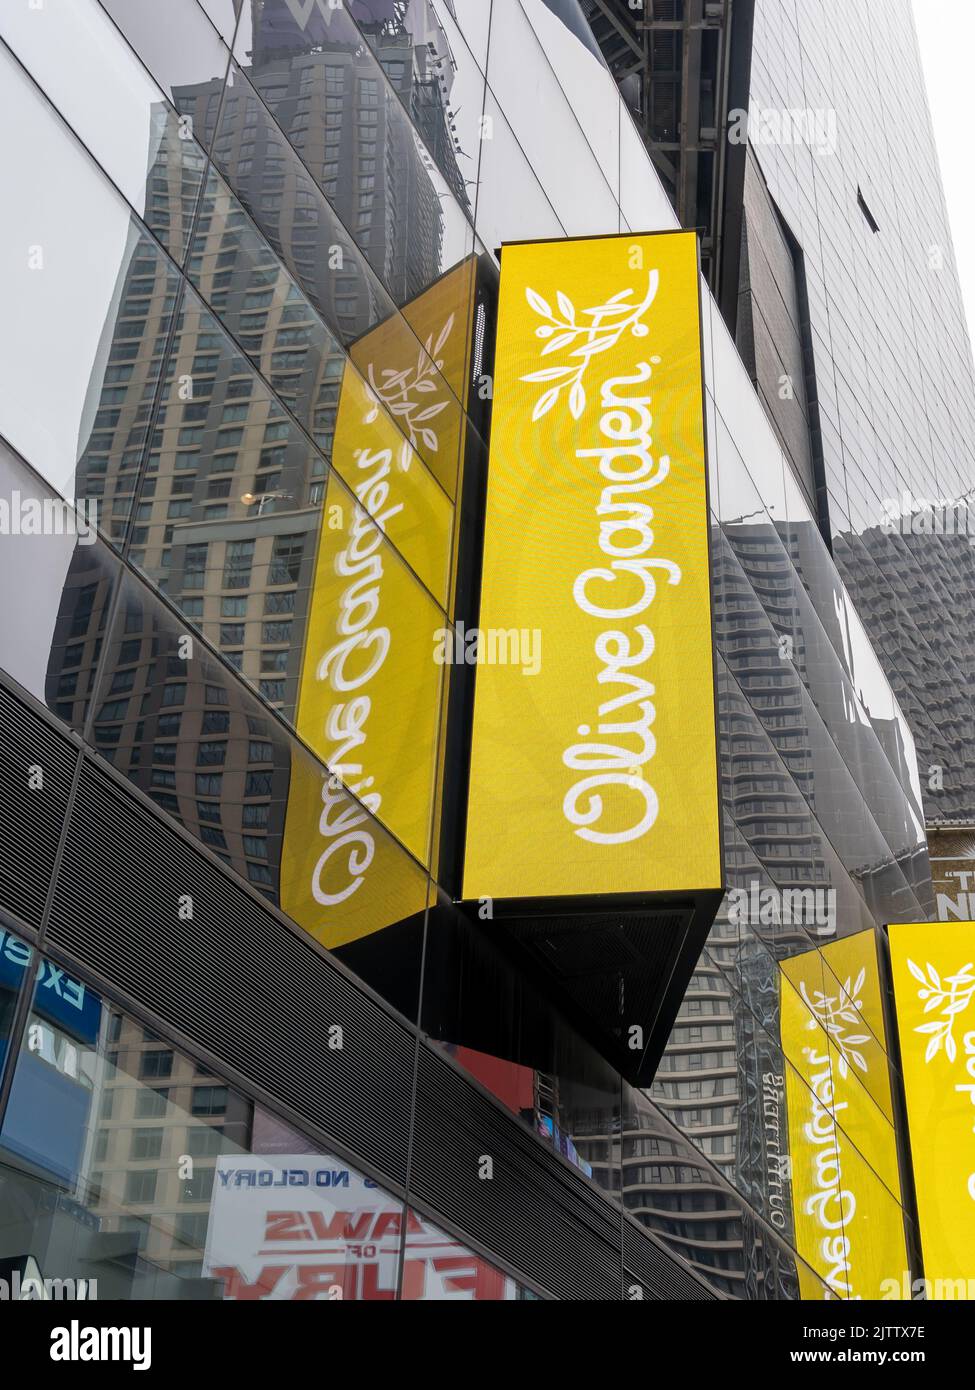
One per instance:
(614, 968)
(533, 1210)
(235, 980)
(33, 818)
(243, 987)
(657, 1273)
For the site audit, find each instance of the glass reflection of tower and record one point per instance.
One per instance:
(161, 1123)
(720, 1080)
(325, 96)
(213, 445)
(709, 1080)
(217, 495)
(913, 590)
(412, 47)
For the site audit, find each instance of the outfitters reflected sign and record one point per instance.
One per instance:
(933, 967)
(593, 768)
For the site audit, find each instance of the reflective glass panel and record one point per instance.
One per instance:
(133, 1171)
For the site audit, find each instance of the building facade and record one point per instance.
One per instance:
(800, 140)
(253, 288)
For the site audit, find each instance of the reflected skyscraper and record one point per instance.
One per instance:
(807, 153)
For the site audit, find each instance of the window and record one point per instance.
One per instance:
(286, 559)
(156, 1064)
(114, 709)
(279, 603)
(151, 1104)
(190, 1228)
(198, 1188)
(195, 564)
(266, 482)
(140, 1185)
(237, 564)
(209, 1100)
(211, 754)
(203, 1141)
(145, 1143)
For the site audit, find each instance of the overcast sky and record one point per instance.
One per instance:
(946, 30)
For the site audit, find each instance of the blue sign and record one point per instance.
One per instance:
(58, 996)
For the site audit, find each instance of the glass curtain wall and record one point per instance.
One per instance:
(264, 323)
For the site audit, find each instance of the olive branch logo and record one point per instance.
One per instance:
(605, 326)
(401, 392)
(951, 996)
(835, 1012)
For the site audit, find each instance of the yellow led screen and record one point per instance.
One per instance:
(933, 966)
(342, 876)
(847, 1219)
(593, 765)
(369, 698)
